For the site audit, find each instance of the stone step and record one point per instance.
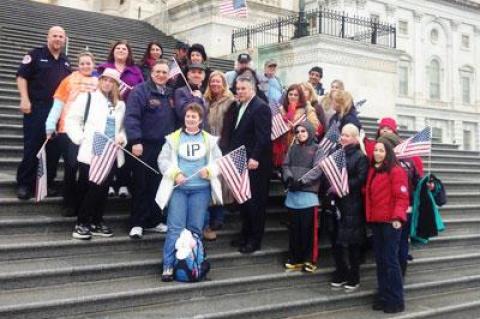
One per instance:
(266, 292)
(437, 164)
(457, 174)
(9, 119)
(432, 306)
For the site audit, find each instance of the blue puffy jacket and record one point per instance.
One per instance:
(150, 115)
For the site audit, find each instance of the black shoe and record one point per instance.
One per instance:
(394, 309)
(378, 305)
(351, 285)
(101, 229)
(249, 248)
(238, 242)
(23, 193)
(82, 232)
(167, 275)
(338, 280)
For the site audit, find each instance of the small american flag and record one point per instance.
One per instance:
(174, 69)
(418, 145)
(124, 88)
(233, 167)
(330, 140)
(235, 8)
(279, 126)
(104, 155)
(335, 168)
(41, 183)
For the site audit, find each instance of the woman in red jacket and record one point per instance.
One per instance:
(386, 204)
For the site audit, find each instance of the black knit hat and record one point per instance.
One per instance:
(198, 48)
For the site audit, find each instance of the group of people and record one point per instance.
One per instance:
(181, 125)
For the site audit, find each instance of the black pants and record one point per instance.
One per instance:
(300, 235)
(69, 151)
(350, 271)
(253, 210)
(92, 197)
(33, 138)
(145, 211)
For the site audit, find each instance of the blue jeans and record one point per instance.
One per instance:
(186, 209)
(215, 214)
(386, 242)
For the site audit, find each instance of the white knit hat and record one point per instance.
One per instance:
(112, 73)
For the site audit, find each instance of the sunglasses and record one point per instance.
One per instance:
(300, 131)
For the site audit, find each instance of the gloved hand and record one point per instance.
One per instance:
(288, 182)
(296, 186)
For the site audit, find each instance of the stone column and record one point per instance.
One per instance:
(418, 62)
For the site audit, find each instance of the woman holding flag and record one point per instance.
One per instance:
(95, 123)
(188, 164)
(294, 109)
(349, 230)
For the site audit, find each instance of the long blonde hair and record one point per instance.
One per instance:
(344, 99)
(226, 91)
(114, 95)
(313, 95)
(354, 131)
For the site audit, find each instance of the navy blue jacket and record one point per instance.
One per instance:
(150, 115)
(183, 97)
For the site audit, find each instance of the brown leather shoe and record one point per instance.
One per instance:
(209, 234)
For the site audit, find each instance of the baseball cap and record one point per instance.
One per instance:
(244, 57)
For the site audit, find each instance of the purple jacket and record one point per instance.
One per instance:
(131, 75)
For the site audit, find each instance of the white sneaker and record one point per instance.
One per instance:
(136, 232)
(160, 228)
(123, 192)
(111, 192)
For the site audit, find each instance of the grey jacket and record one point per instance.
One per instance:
(300, 160)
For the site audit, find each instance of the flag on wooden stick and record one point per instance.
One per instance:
(104, 155)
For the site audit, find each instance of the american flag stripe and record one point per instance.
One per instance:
(101, 165)
(233, 167)
(41, 181)
(174, 69)
(335, 170)
(234, 181)
(237, 8)
(330, 140)
(418, 145)
(104, 155)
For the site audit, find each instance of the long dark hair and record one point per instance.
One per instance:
(130, 60)
(301, 97)
(146, 55)
(390, 159)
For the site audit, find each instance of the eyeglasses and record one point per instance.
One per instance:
(300, 131)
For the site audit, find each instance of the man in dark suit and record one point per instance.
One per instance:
(251, 126)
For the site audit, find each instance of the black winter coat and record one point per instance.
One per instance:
(351, 226)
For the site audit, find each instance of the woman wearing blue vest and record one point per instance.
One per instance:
(188, 164)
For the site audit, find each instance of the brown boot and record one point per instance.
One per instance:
(209, 234)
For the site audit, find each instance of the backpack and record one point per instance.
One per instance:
(194, 267)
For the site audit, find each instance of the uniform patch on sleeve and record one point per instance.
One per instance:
(27, 59)
(403, 189)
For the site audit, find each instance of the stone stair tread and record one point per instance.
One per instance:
(265, 300)
(418, 307)
(101, 262)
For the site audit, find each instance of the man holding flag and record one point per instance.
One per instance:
(148, 119)
(251, 125)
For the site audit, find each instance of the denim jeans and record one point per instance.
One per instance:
(386, 242)
(186, 209)
(215, 214)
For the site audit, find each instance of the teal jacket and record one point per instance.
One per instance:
(421, 229)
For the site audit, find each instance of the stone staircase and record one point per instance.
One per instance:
(46, 274)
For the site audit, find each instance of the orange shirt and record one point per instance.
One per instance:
(68, 90)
